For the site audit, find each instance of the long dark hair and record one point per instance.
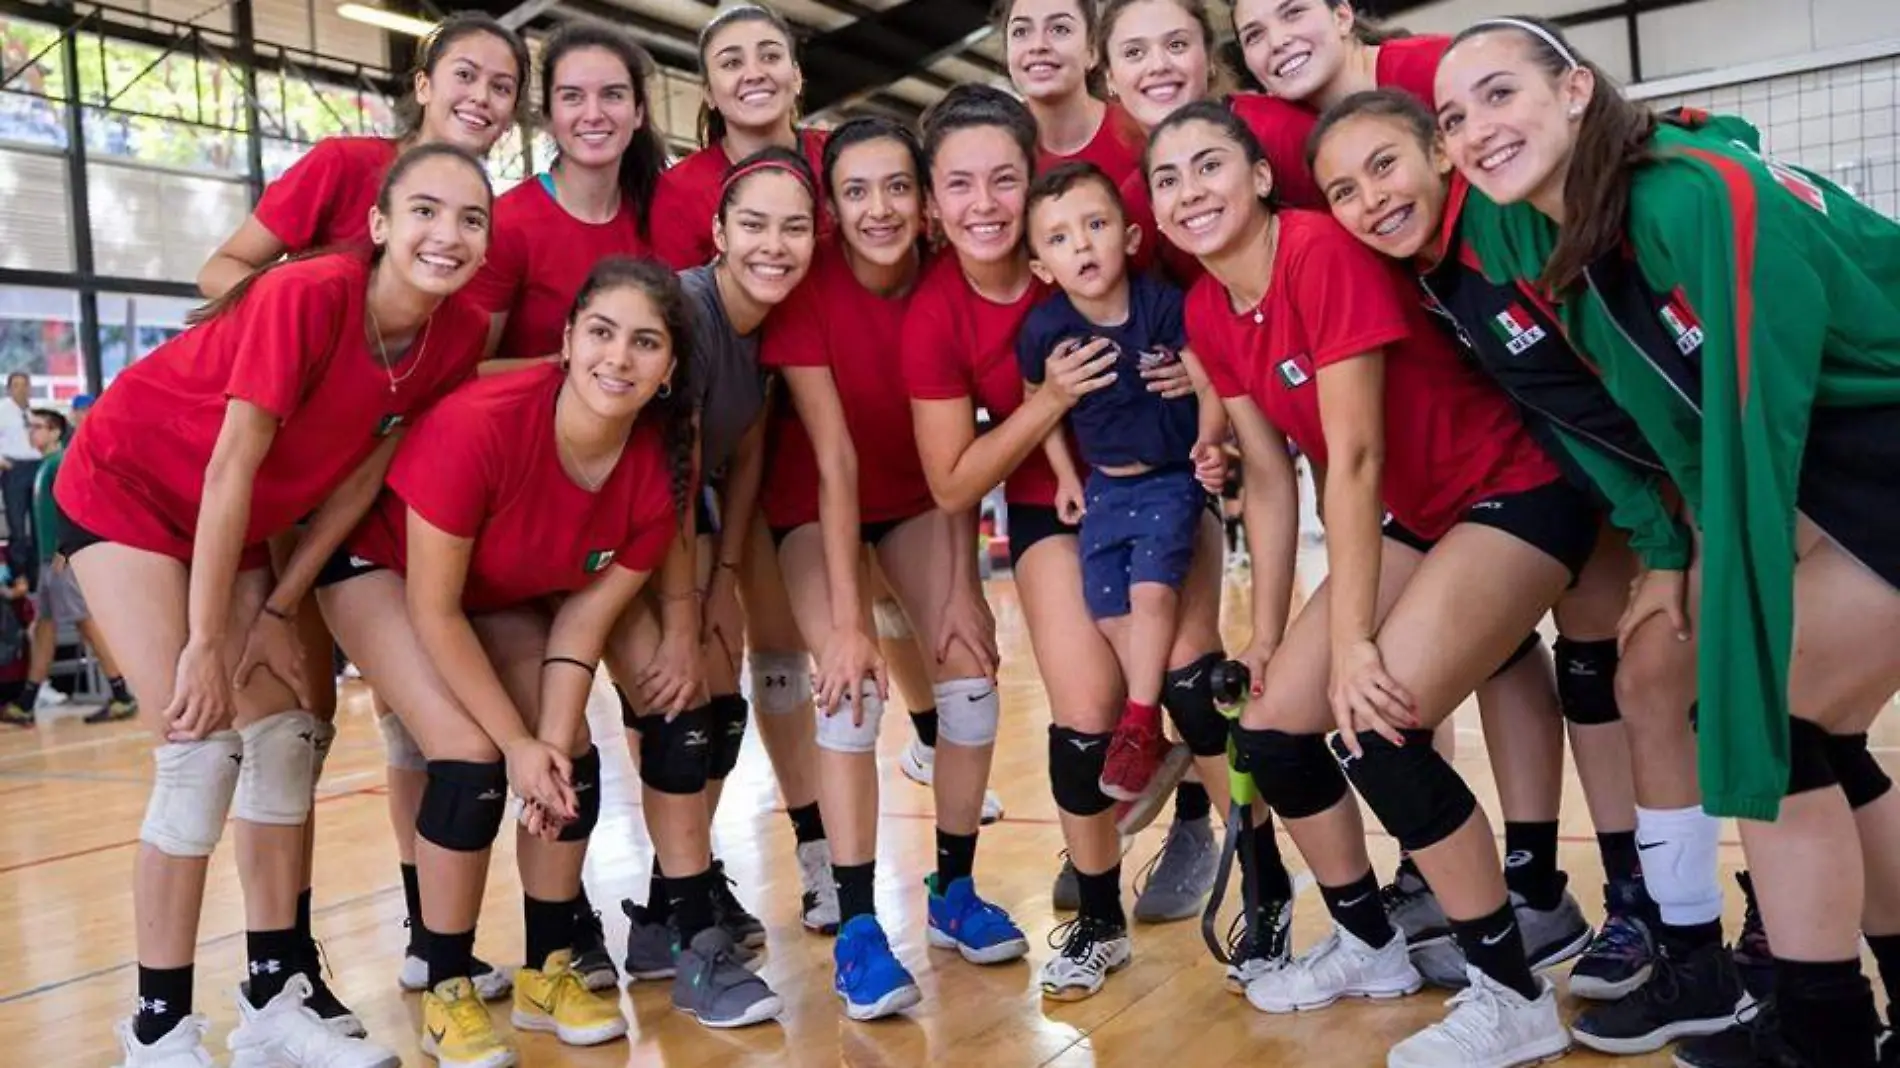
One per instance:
(645, 157)
(398, 170)
(436, 45)
(1233, 127)
(712, 125)
(1613, 137)
(673, 408)
(1368, 32)
(1094, 82)
(972, 105)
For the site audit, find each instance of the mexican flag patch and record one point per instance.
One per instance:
(388, 425)
(1292, 374)
(1682, 323)
(598, 560)
(1515, 327)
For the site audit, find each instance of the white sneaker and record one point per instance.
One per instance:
(1340, 967)
(919, 762)
(286, 1034)
(1086, 956)
(1489, 1026)
(51, 698)
(491, 983)
(819, 903)
(184, 1047)
(992, 807)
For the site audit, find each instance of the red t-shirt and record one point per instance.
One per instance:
(538, 258)
(484, 464)
(325, 197)
(1115, 148)
(1411, 64)
(687, 198)
(295, 346)
(834, 322)
(958, 344)
(1452, 438)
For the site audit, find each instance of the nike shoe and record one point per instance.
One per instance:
(1088, 951)
(456, 1030)
(285, 1033)
(1489, 1026)
(1264, 944)
(591, 961)
(1697, 995)
(182, 1047)
(1622, 955)
(712, 986)
(728, 913)
(818, 903)
(981, 932)
(1175, 884)
(556, 999)
(1340, 967)
(866, 975)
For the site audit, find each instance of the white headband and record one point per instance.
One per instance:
(1538, 32)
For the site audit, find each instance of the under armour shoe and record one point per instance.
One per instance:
(285, 1033)
(1622, 955)
(1489, 1026)
(867, 976)
(556, 999)
(1088, 950)
(1697, 995)
(323, 1001)
(1414, 909)
(1066, 895)
(1264, 944)
(745, 928)
(818, 904)
(1754, 961)
(1340, 967)
(182, 1047)
(491, 983)
(590, 959)
(1175, 884)
(712, 986)
(457, 1031)
(980, 931)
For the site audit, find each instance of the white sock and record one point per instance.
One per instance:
(1677, 852)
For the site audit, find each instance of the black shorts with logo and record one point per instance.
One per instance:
(1556, 518)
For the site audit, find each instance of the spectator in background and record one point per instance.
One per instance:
(19, 462)
(12, 640)
(81, 405)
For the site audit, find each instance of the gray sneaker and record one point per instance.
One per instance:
(714, 988)
(1180, 876)
(1414, 910)
(1067, 895)
(1551, 937)
(649, 944)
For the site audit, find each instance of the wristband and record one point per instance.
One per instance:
(582, 664)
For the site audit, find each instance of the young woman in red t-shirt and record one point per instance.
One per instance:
(593, 200)
(1313, 339)
(1049, 47)
(748, 60)
(279, 403)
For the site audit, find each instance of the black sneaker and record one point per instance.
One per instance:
(1752, 957)
(1262, 946)
(323, 1001)
(746, 930)
(1752, 1041)
(1620, 958)
(1697, 995)
(592, 962)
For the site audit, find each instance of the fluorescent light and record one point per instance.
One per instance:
(388, 20)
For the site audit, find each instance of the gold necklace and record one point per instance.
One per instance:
(382, 350)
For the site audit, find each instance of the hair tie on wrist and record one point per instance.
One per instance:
(582, 664)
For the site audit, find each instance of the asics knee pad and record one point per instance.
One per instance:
(399, 746)
(586, 797)
(892, 624)
(463, 805)
(1075, 771)
(1809, 765)
(729, 714)
(191, 794)
(676, 754)
(1295, 773)
(1586, 682)
(1188, 695)
(852, 727)
(1861, 778)
(323, 738)
(278, 779)
(1413, 791)
(968, 712)
(781, 682)
(1524, 648)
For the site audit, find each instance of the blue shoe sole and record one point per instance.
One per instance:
(1001, 953)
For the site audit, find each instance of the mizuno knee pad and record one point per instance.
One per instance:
(1188, 695)
(729, 714)
(852, 728)
(192, 787)
(399, 746)
(278, 779)
(968, 712)
(586, 797)
(1809, 764)
(463, 805)
(1586, 681)
(324, 738)
(1416, 795)
(676, 755)
(1075, 771)
(1862, 780)
(781, 682)
(1295, 773)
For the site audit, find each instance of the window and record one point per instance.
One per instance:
(130, 327)
(39, 335)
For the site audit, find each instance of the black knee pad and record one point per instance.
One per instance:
(1586, 681)
(1188, 695)
(676, 756)
(1412, 790)
(463, 804)
(1862, 779)
(729, 714)
(629, 715)
(1524, 648)
(586, 796)
(1296, 776)
(1075, 771)
(1810, 766)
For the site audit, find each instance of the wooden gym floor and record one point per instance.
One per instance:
(72, 796)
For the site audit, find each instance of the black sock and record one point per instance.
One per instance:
(690, 902)
(1101, 896)
(1618, 850)
(1191, 801)
(1681, 942)
(857, 895)
(659, 905)
(956, 856)
(1495, 946)
(304, 934)
(924, 722)
(1530, 863)
(1358, 908)
(1827, 1012)
(164, 999)
(274, 957)
(119, 692)
(412, 900)
(807, 824)
(1887, 955)
(1272, 883)
(550, 927)
(450, 956)
(29, 694)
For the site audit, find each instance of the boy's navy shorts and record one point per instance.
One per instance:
(1138, 528)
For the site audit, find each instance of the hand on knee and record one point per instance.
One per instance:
(586, 797)
(1419, 798)
(853, 726)
(1188, 695)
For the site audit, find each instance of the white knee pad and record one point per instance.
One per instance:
(191, 794)
(841, 733)
(892, 625)
(323, 737)
(278, 780)
(399, 748)
(781, 682)
(968, 711)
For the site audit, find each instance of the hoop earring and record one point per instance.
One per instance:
(666, 390)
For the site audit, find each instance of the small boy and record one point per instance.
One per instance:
(1142, 506)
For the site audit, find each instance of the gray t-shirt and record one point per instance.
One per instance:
(728, 387)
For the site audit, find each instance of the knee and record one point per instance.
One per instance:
(1587, 682)
(1075, 770)
(1810, 763)
(192, 788)
(781, 682)
(853, 726)
(463, 804)
(1188, 695)
(277, 777)
(1295, 773)
(729, 715)
(969, 712)
(676, 754)
(1861, 777)
(1414, 792)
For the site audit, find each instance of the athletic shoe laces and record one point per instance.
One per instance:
(1475, 1018)
(1620, 938)
(1083, 940)
(467, 1014)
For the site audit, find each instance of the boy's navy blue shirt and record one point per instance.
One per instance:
(1123, 424)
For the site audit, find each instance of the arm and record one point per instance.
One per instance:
(251, 247)
(1352, 412)
(1212, 427)
(1270, 513)
(579, 632)
(1638, 504)
(747, 471)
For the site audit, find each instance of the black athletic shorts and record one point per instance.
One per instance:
(72, 536)
(1555, 518)
(343, 566)
(1846, 484)
(872, 534)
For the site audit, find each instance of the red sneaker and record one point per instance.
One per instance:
(1134, 755)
